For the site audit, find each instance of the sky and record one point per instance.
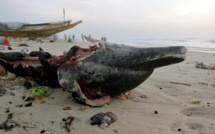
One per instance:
(118, 19)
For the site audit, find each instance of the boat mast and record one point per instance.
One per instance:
(63, 14)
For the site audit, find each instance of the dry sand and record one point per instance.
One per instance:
(175, 113)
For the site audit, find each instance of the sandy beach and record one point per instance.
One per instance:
(157, 106)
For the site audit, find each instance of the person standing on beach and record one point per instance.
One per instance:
(82, 37)
(69, 40)
(73, 37)
(65, 38)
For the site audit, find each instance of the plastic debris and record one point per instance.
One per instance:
(2, 48)
(193, 101)
(125, 96)
(67, 108)
(83, 108)
(24, 50)
(38, 93)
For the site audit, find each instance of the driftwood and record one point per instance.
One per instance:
(203, 66)
(180, 83)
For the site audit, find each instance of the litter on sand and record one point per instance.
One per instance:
(38, 93)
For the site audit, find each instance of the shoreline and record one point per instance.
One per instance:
(87, 44)
(201, 51)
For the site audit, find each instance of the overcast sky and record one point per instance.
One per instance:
(120, 18)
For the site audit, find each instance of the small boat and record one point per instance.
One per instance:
(36, 30)
(91, 39)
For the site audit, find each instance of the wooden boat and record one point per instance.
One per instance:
(91, 39)
(38, 30)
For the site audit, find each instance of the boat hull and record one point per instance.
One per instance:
(39, 30)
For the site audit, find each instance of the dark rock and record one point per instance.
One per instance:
(43, 131)
(103, 119)
(23, 45)
(28, 105)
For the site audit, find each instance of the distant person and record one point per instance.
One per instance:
(69, 40)
(102, 38)
(65, 38)
(55, 37)
(105, 39)
(82, 37)
(73, 37)
(89, 36)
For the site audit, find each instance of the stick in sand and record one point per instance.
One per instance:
(180, 83)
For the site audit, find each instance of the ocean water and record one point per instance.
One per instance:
(192, 44)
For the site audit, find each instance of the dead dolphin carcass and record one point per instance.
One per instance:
(94, 74)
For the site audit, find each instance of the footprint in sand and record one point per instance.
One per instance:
(200, 112)
(199, 120)
(200, 127)
(192, 127)
(213, 85)
(177, 126)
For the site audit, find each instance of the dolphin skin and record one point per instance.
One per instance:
(111, 69)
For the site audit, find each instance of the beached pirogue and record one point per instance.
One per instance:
(92, 75)
(23, 30)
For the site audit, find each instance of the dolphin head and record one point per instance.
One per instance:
(94, 74)
(141, 59)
